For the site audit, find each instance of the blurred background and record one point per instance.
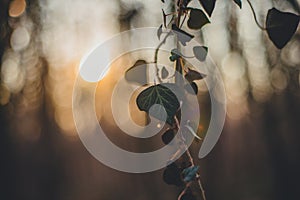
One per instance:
(41, 45)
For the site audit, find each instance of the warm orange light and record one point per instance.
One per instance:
(17, 8)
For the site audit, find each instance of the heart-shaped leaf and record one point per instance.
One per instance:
(197, 19)
(281, 26)
(200, 52)
(164, 73)
(159, 94)
(190, 173)
(238, 2)
(172, 176)
(193, 75)
(137, 73)
(182, 36)
(168, 136)
(208, 5)
(175, 54)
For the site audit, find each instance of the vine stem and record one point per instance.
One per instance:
(255, 17)
(156, 55)
(188, 153)
(183, 191)
(178, 66)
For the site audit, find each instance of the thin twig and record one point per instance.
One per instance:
(201, 187)
(183, 20)
(156, 55)
(191, 160)
(184, 191)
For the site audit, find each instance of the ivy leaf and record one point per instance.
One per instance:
(161, 95)
(190, 173)
(168, 136)
(191, 88)
(239, 3)
(281, 26)
(197, 19)
(208, 5)
(137, 73)
(159, 31)
(193, 75)
(164, 73)
(200, 52)
(182, 36)
(171, 175)
(175, 54)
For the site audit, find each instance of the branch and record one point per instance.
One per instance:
(188, 153)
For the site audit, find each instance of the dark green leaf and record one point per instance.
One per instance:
(174, 57)
(182, 36)
(238, 2)
(197, 19)
(193, 75)
(190, 173)
(281, 26)
(137, 73)
(208, 6)
(191, 88)
(164, 73)
(159, 31)
(168, 136)
(200, 52)
(175, 52)
(172, 176)
(159, 94)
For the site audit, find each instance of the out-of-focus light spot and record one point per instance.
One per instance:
(158, 125)
(233, 65)
(62, 94)
(4, 95)
(237, 90)
(278, 79)
(290, 55)
(17, 8)
(20, 38)
(202, 87)
(11, 75)
(29, 127)
(237, 111)
(65, 121)
(200, 127)
(262, 94)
